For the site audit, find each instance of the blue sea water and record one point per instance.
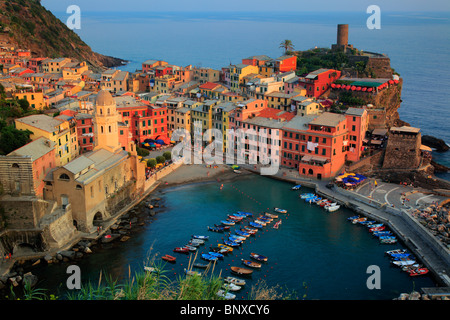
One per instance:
(418, 45)
(313, 255)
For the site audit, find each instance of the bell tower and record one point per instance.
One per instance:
(106, 122)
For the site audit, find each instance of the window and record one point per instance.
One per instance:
(64, 177)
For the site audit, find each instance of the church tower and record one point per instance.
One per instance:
(105, 123)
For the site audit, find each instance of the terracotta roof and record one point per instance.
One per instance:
(209, 85)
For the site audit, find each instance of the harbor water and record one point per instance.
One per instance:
(313, 254)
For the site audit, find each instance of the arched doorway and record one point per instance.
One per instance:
(98, 219)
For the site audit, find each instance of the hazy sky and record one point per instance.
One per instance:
(248, 5)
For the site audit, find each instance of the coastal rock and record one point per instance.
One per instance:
(435, 143)
(30, 279)
(87, 250)
(124, 238)
(69, 254)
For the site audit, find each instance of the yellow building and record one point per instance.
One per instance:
(237, 74)
(34, 97)
(202, 117)
(97, 184)
(221, 121)
(56, 130)
(280, 100)
(74, 70)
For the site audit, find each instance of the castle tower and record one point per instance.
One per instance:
(106, 122)
(342, 35)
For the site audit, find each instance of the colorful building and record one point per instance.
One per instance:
(319, 81)
(55, 130)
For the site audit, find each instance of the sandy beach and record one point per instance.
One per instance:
(199, 173)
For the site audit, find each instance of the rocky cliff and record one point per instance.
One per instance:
(26, 24)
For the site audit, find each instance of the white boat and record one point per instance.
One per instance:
(280, 210)
(231, 287)
(332, 208)
(191, 248)
(297, 187)
(197, 241)
(192, 273)
(403, 263)
(237, 171)
(226, 295)
(236, 281)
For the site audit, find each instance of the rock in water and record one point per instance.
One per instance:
(435, 143)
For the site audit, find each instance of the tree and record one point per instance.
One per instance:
(287, 46)
(160, 159)
(167, 155)
(12, 139)
(151, 163)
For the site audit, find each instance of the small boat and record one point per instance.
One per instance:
(377, 229)
(242, 233)
(221, 226)
(192, 273)
(226, 295)
(249, 231)
(231, 287)
(237, 171)
(254, 224)
(194, 244)
(200, 265)
(251, 264)
(220, 245)
(258, 256)
(236, 281)
(220, 250)
(232, 237)
(241, 271)
(332, 208)
(375, 225)
(297, 187)
(149, 269)
(330, 205)
(409, 268)
(277, 224)
(325, 203)
(401, 255)
(395, 251)
(191, 248)
(403, 262)
(353, 218)
(280, 210)
(381, 233)
(209, 257)
(216, 229)
(199, 241)
(200, 237)
(248, 214)
(358, 220)
(388, 241)
(169, 258)
(234, 218)
(306, 195)
(262, 223)
(181, 250)
(231, 243)
(386, 237)
(227, 222)
(418, 272)
(216, 254)
(270, 215)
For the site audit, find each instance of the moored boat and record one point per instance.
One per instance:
(306, 195)
(332, 208)
(277, 224)
(270, 215)
(191, 248)
(297, 187)
(231, 287)
(209, 257)
(192, 273)
(200, 265)
(258, 257)
(355, 221)
(224, 294)
(403, 262)
(236, 281)
(225, 246)
(418, 272)
(254, 224)
(168, 258)
(200, 237)
(227, 222)
(181, 250)
(231, 243)
(251, 264)
(241, 271)
(280, 210)
(395, 251)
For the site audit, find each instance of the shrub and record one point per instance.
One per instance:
(160, 159)
(167, 155)
(151, 163)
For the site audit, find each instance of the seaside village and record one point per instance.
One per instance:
(91, 131)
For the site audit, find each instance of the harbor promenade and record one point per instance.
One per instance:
(384, 207)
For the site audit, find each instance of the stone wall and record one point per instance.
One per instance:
(60, 228)
(23, 212)
(368, 163)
